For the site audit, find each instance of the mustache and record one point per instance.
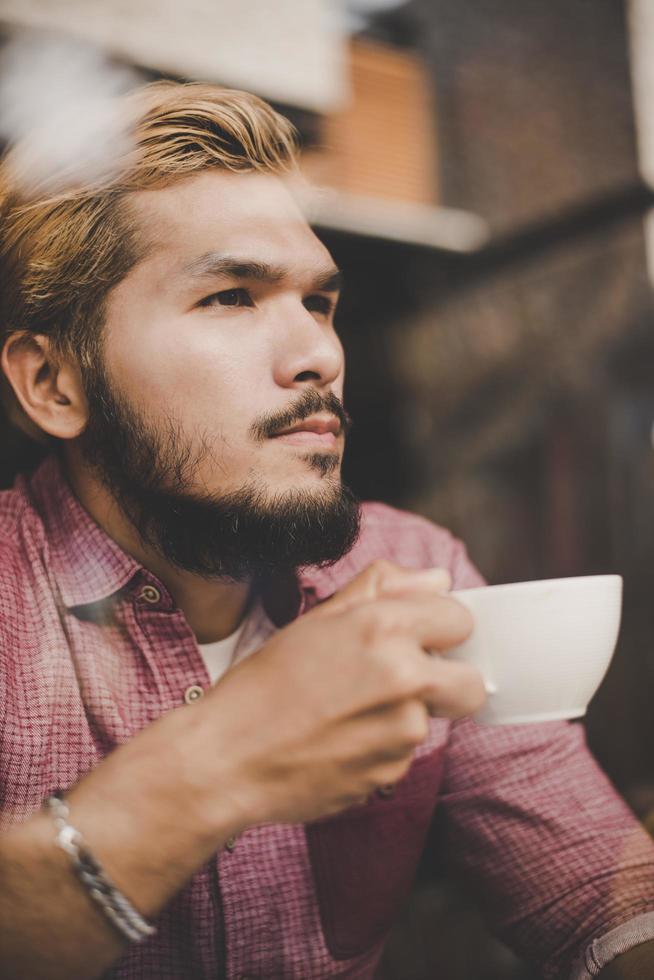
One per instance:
(311, 402)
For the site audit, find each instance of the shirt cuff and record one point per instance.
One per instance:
(601, 951)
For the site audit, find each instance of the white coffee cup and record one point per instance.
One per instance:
(543, 647)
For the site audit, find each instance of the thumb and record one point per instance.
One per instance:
(384, 578)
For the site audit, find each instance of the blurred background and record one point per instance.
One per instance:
(482, 172)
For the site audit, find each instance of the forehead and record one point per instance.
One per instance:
(244, 214)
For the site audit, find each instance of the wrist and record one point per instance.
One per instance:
(152, 812)
(208, 772)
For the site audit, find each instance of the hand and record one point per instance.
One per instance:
(334, 705)
(329, 709)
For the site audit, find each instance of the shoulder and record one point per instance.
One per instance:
(406, 539)
(414, 541)
(12, 505)
(21, 535)
(12, 511)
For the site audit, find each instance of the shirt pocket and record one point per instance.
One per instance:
(364, 860)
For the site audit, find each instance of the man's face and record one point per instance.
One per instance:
(227, 322)
(216, 415)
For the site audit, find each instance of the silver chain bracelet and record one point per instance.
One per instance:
(115, 906)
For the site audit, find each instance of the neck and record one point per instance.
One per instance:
(213, 608)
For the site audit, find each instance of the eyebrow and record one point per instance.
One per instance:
(212, 265)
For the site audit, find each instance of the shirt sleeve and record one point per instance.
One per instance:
(563, 870)
(601, 951)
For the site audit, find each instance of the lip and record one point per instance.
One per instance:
(319, 425)
(305, 437)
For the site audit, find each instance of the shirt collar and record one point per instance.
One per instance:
(90, 566)
(289, 595)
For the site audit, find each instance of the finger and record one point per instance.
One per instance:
(435, 581)
(433, 622)
(385, 578)
(389, 732)
(452, 689)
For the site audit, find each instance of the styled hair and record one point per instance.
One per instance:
(64, 246)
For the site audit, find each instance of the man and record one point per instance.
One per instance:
(170, 329)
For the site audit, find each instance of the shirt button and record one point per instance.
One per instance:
(151, 594)
(193, 693)
(387, 791)
(230, 844)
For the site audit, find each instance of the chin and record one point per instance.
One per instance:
(308, 480)
(321, 466)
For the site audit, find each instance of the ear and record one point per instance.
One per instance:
(48, 388)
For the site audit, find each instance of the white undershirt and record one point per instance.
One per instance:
(219, 656)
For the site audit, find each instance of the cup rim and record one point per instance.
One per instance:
(526, 586)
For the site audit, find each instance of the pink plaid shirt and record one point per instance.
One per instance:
(92, 648)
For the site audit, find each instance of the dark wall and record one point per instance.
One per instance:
(534, 102)
(510, 395)
(507, 395)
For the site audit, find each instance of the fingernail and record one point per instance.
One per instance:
(437, 580)
(439, 577)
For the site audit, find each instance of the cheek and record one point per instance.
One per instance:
(192, 375)
(211, 386)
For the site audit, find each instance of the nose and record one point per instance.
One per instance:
(307, 350)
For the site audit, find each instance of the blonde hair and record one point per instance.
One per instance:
(62, 248)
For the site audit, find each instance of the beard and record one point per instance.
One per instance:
(241, 535)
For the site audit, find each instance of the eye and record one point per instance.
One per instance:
(228, 297)
(319, 304)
